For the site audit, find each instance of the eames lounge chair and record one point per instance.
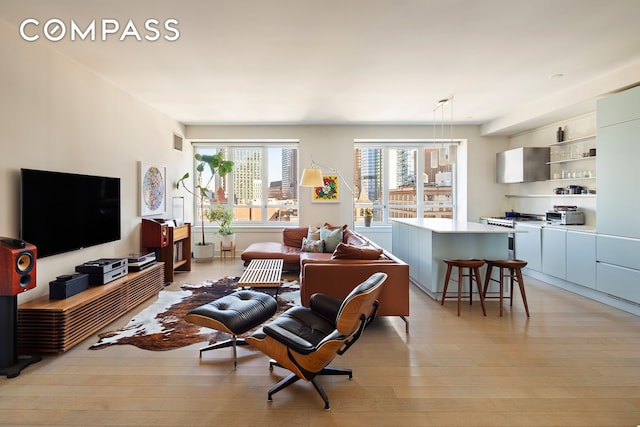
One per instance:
(305, 340)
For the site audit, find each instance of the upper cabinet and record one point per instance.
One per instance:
(619, 108)
(617, 169)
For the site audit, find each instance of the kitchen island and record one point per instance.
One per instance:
(424, 242)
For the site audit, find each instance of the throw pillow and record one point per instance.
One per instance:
(309, 245)
(313, 233)
(331, 238)
(346, 251)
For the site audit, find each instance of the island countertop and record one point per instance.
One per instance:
(445, 225)
(424, 243)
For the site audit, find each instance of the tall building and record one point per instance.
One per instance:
(247, 171)
(290, 173)
(370, 172)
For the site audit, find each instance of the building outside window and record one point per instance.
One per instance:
(263, 187)
(405, 180)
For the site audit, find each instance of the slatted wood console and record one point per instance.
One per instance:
(54, 326)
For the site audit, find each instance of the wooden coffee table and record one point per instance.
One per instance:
(262, 273)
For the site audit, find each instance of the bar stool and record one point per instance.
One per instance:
(473, 273)
(514, 274)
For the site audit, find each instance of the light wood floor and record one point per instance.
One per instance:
(575, 362)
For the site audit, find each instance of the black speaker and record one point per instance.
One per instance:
(17, 266)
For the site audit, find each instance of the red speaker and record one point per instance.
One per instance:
(17, 266)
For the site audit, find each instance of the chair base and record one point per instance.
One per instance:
(293, 378)
(234, 342)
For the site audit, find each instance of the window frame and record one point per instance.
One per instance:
(263, 145)
(420, 206)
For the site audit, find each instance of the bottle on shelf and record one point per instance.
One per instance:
(560, 134)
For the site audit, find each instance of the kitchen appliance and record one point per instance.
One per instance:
(565, 217)
(574, 189)
(524, 164)
(509, 220)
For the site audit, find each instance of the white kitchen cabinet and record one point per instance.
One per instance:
(581, 258)
(528, 245)
(619, 108)
(617, 168)
(618, 173)
(619, 281)
(622, 251)
(554, 252)
(618, 268)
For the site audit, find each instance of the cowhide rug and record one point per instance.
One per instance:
(161, 326)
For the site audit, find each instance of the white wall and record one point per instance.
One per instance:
(57, 115)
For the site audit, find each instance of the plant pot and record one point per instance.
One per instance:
(228, 240)
(203, 253)
(367, 221)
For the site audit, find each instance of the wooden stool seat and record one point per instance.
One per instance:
(514, 274)
(473, 273)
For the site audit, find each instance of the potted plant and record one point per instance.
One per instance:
(367, 213)
(223, 215)
(216, 164)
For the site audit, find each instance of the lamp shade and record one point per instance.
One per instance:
(311, 177)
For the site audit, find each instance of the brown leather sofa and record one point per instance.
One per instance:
(319, 273)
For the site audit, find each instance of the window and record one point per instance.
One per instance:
(263, 187)
(400, 180)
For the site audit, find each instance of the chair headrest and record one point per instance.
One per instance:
(359, 302)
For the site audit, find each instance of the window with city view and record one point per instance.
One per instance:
(404, 180)
(263, 187)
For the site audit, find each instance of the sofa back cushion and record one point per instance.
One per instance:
(293, 236)
(352, 238)
(346, 251)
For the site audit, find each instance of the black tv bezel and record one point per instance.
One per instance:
(52, 221)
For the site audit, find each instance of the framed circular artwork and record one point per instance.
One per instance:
(153, 189)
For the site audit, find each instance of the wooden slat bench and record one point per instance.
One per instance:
(262, 273)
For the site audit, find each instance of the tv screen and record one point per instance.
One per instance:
(62, 212)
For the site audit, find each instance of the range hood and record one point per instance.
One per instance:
(524, 164)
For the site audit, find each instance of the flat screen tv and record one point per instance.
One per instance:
(62, 212)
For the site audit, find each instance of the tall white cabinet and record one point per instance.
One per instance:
(618, 238)
(618, 167)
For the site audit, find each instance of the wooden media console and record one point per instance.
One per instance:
(54, 326)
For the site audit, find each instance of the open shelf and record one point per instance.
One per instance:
(572, 141)
(583, 196)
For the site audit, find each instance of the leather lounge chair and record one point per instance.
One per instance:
(305, 340)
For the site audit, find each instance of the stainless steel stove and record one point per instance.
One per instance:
(510, 222)
(502, 221)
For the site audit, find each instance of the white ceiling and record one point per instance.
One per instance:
(359, 61)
